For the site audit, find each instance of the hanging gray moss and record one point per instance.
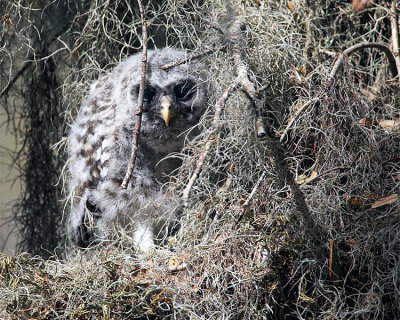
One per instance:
(300, 223)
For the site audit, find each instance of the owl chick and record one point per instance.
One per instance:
(100, 146)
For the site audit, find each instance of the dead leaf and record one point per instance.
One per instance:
(301, 179)
(360, 5)
(177, 263)
(302, 70)
(359, 200)
(7, 21)
(352, 243)
(306, 299)
(365, 122)
(295, 78)
(139, 275)
(382, 201)
(390, 124)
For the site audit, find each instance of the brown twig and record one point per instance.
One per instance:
(190, 58)
(138, 120)
(219, 106)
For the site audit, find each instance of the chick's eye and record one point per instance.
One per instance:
(149, 93)
(184, 91)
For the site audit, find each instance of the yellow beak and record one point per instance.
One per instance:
(165, 104)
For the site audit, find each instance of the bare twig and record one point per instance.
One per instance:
(242, 81)
(395, 31)
(31, 59)
(329, 53)
(246, 204)
(242, 75)
(296, 115)
(394, 66)
(219, 106)
(138, 121)
(190, 58)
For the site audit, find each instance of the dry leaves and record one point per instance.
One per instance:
(360, 5)
(390, 125)
(177, 263)
(368, 198)
(301, 179)
(365, 122)
(360, 200)
(382, 201)
(296, 76)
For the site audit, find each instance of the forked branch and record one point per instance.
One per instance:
(194, 56)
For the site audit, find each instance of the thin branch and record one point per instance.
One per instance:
(138, 120)
(27, 63)
(394, 66)
(242, 81)
(190, 58)
(237, 220)
(395, 32)
(296, 115)
(242, 75)
(219, 106)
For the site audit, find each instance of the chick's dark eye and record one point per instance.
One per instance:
(184, 91)
(149, 93)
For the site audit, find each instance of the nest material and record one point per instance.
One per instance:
(302, 223)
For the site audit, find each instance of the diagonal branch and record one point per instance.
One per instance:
(219, 106)
(241, 81)
(242, 212)
(242, 75)
(190, 58)
(138, 120)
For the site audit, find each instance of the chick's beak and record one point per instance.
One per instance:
(165, 104)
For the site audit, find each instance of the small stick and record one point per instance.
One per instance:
(184, 60)
(330, 257)
(246, 204)
(297, 113)
(219, 106)
(329, 53)
(138, 121)
(395, 31)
